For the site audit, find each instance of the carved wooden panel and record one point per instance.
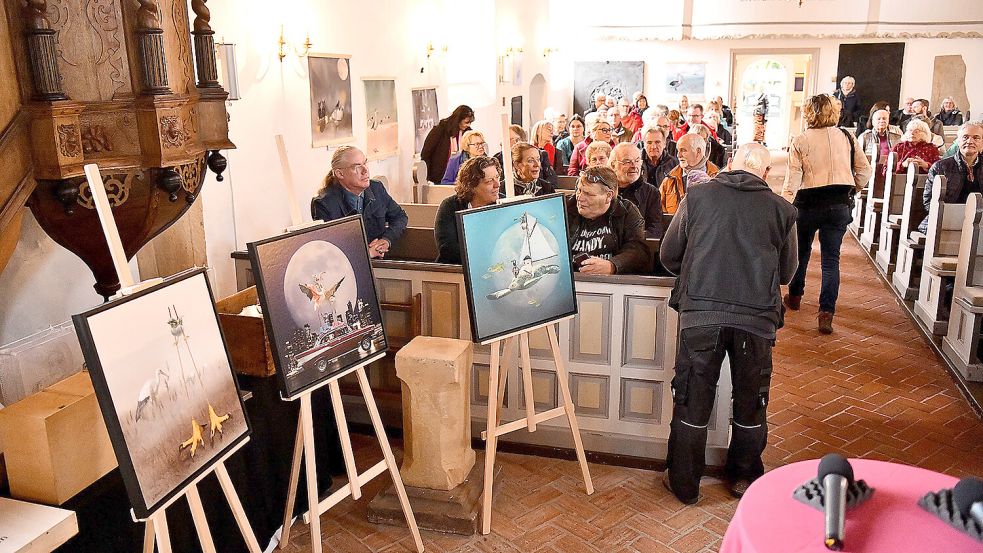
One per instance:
(91, 49)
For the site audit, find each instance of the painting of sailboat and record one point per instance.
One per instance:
(516, 265)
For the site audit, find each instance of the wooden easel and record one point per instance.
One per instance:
(304, 441)
(155, 530)
(496, 391)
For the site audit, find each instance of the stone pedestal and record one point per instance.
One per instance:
(436, 378)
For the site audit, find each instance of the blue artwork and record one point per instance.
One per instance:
(516, 266)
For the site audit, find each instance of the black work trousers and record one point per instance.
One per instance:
(701, 352)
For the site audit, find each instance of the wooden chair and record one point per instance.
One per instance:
(895, 189)
(911, 243)
(945, 224)
(870, 229)
(962, 343)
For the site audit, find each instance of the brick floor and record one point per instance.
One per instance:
(872, 389)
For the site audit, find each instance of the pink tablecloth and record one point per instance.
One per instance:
(768, 519)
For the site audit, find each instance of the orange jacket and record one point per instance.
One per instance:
(672, 190)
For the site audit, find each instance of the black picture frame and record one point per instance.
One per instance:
(295, 380)
(505, 213)
(142, 508)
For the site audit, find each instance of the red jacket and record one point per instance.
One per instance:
(685, 129)
(904, 150)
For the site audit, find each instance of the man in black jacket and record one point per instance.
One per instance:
(656, 157)
(732, 242)
(626, 161)
(963, 172)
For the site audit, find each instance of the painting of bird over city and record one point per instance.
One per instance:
(319, 303)
(516, 265)
(161, 373)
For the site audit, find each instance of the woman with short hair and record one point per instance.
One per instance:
(600, 132)
(565, 146)
(917, 148)
(472, 145)
(821, 181)
(950, 114)
(878, 141)
(597, 154)
(477, 185)
(849, 101)
(542, 138)
(527, 170)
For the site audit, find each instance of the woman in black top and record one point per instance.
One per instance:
(477, 186)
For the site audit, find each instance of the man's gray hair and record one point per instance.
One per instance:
(967, 124)
(652, 128)
(623, 146)
(756, 157)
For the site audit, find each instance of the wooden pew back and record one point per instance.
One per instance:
(913, 210)
(895, 185)
(969, 271)
(945, 224)
(420, 215)
(416, 244)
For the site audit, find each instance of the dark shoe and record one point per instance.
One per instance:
(738, 487)
(792, 302)
(825, 322)
(668, 486)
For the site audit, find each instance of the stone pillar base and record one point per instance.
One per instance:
(453, 511)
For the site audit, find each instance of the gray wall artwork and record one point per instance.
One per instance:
(620, 78)
(685, 78)
(331, 99)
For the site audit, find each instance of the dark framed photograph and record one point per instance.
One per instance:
(319, 302)
(517, 269)
(163, 379)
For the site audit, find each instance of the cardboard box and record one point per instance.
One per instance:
(55, 442)
(246, 336)
(31, 528)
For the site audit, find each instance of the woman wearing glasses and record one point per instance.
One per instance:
(477, 186)
(600, 130)
(606, 233)
(472, 145)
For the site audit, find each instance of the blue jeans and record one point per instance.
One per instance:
(831, 224)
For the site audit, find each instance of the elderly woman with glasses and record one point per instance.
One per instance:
(472, 145)
(917, 149)
(606, 233)
(600, 130)
(348, 190)
(477, 185)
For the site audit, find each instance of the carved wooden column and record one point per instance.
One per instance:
(204, 46)
(41, 50)
(152, 57)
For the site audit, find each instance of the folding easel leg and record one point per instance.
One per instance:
(527, 382)
(310, 470)
(288, 511)
(237, 511)
(561, 377)
(491, 440)
(201, 523)
(149, 536)
(163, 535)
(503, 376)
(387, 453)
(346, 441)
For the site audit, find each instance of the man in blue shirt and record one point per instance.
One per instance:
(348, 190)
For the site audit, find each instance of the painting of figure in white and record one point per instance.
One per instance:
(331, 99)
(382, 129)
(162, 376)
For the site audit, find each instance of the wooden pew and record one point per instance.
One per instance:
(420, 215)
(963, 341)
(566, 182)
(416, 244)
(895, 190)
(911, 243)
(870, 230)
(945, 224)
(859, 208)
(434, 193)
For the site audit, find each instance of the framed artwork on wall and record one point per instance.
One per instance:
(162, 376)
(331, 99)
(517, 268)
(425, 115)
(319, 302)
(685, 78)
(619, 79)
(381, 122)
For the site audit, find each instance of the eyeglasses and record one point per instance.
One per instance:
(479, 144)
(594, 178)
(603, 129)
(358, 167)
(630, 162)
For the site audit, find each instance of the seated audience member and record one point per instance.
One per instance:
(607, 230)
(904, 113)
(634, 120)
(963, 171)
(713, 121)
(683, 106)
(878, 141)
(610, 102)
(444, 139)
(953, 148)
(694, 117)
(542, 138)
(674, 123)
(663, 123)
(949, 114)
(849, 102)
(693, 155)
(348, 190)
(600, 100)
(656, 157)
(518, 134)
(921, 107)
(600, 130)
(725, 111)
(648, 120)
(565, 146)
(477, 186)
(661, 109)
(917, 149)
(598, 154)
(618, 131)
(526, 168)
(937, 140)
(472, 145)
(866, 121)
(718, 155)
(626, 161)
(560, 127)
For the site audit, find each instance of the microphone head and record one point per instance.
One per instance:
(834, 463)
(966, 492)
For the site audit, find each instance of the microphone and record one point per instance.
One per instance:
(836, 475)
(967, 496)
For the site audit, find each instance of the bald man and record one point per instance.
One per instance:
(693, 154)
(732, 243)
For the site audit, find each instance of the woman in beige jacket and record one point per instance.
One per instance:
(821, 181)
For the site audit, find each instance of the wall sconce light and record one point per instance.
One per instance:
(510, 51)
(283, 45)
(548, 51)
(431, 50)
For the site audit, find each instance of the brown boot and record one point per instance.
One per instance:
(825, 322)
(792, 302)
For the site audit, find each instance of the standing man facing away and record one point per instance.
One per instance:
(729, 303)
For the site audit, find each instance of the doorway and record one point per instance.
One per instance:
(537, 98)
(785, 77)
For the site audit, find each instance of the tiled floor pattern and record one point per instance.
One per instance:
(873, 389)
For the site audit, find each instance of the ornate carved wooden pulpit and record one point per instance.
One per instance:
(111, 82)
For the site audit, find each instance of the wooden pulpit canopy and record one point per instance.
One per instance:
(111, 82)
